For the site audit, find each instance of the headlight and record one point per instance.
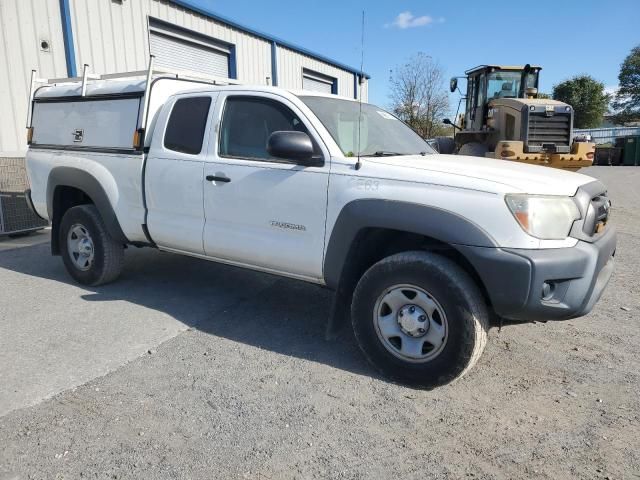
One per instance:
(544, 217)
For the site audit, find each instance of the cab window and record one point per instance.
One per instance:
(248, 122)
(185, 129)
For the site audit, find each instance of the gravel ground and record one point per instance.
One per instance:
(252, 390)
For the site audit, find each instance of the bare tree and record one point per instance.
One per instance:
(419, 96)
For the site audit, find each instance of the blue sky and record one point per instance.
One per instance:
(565, 37)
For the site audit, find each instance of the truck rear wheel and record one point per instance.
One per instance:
(473, 149)
(89, 253)
(419, 319)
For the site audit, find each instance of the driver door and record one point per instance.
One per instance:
(260, 211)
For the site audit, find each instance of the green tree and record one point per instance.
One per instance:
(587, 97)
(627, 101)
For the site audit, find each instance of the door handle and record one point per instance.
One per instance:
(215, 178)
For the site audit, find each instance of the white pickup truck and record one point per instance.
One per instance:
(423, 250)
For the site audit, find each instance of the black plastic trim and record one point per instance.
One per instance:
(514, 278)
(73, 148)
(80, 179)
(89, 98)
(439, 224)
(583, 198)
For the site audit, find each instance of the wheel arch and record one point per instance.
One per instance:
(68, 187)
(361, 218)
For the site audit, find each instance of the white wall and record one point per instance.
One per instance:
(23, 25)
(112, 37)
(291, 63)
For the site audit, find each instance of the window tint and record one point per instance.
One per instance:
(187, 122)
(248, 122)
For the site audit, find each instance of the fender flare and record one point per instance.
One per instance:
(437, 223)
(84, 181)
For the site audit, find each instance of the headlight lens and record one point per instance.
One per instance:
(544, 217)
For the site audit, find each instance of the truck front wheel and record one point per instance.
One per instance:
(419, 318)
(89, 253)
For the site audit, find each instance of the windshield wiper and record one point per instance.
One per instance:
(383, 153)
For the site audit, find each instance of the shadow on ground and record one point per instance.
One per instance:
(278, 314)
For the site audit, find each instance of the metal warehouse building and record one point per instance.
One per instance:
(57, 37)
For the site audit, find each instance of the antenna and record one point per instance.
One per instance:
(358, 85)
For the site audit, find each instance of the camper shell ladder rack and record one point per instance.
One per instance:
(148, 73)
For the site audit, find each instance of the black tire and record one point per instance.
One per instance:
(446, 145)
(473, 149)
(464, 307)
(108, 255)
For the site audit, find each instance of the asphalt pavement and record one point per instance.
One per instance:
(189, 369)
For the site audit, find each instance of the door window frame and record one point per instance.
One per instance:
(157, 147)
(218, 115)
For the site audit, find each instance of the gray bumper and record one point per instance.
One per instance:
(515, 279)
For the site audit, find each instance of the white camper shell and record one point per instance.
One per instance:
(107, 113)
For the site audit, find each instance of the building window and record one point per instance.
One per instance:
(185, 129)
(318, 82)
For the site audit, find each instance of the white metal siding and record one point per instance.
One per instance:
(364, 90)
(179, 54)
(291, 64)
(23, 25)
(112, 37)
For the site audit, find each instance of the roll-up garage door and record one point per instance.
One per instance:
(176, 51)
(317, 83)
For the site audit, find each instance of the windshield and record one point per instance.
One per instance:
(380, 132)
(507, 84)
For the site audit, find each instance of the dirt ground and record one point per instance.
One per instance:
(253, 390)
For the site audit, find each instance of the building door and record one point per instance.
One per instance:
(315, 82)
(176, 49)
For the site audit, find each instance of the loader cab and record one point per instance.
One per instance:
(493, 82)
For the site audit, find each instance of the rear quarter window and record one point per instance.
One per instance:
(185, 129)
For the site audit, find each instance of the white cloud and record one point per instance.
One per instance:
(407, 19)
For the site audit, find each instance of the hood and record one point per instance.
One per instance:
(487, 174)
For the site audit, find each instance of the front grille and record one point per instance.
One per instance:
(597, 215)
(555, 129)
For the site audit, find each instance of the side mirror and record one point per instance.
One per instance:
(446, 121)
(294, 146)
(453, 84)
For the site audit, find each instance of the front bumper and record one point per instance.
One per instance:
(580, 156)
(515, 279)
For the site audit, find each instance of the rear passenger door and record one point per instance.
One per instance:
(173, 175)
(262, 211)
